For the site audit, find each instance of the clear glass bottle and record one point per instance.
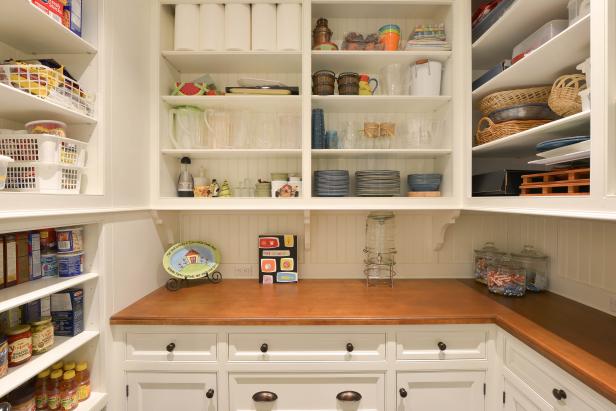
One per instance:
(509, 279)
(536, 265)
(486, 257)
(380, 238)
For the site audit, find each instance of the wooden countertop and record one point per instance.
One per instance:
(579, 339)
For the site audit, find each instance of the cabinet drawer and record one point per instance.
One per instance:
(306, 391)
(170, 347)
(441, 344)
(307, 347)
(544, 377)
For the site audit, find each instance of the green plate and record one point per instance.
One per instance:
(191, 260)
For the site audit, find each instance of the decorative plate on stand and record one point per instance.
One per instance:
(191, 260)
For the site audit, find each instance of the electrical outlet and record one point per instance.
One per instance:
(243, 271)
(613, 304)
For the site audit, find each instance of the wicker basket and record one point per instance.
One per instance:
(510, 98)
(488, 131)
(565, 97)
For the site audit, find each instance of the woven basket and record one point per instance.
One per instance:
(488, 131)
(510, 98)
(565, 99)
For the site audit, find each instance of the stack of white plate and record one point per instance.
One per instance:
(377, 183)
(331, 183)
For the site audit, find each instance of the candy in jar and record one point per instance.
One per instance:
(486, 257)
(536, 266)
(509, 279)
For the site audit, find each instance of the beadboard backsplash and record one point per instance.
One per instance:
(581, 251)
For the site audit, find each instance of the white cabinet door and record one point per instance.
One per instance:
(441, 391)
(163, 391)
(520, 397)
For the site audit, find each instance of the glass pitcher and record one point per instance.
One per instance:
(186, 127)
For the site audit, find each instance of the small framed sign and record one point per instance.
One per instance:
(278, 259)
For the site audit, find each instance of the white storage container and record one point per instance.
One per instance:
(43, 148)
(426, 78)
(543, 35)
(4, 163)
(43, 178)
(577, 10)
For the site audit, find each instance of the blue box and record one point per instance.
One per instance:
(72, 16)
(67, 312)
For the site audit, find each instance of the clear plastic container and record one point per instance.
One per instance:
(536, 266)
(53, 127)
(486, 257)
(577, 10)
(543, 35)
(509, 279)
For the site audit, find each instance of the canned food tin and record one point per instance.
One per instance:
(70, 240)
(49, 265)
(70, 265)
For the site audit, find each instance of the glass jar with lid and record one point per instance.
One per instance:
(42, 335)
(536, 265)
(487, 256)
(380, 238)
(509, 279)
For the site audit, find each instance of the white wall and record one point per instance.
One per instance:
(581, 250)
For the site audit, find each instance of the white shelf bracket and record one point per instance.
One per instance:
(164, 227)
(440, 224)
(307, 230)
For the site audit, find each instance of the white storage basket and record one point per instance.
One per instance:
(43, 178)
(43, 148)
(48, 84)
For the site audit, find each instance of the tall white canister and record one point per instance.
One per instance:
(264, 26)
(212, 27)
(426, 78)
(186, 27)
(237, 26)
(288, 27)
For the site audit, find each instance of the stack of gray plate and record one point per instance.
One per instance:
(331, 183)
(377, 183)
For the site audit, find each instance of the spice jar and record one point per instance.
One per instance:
(509, 279)
(4, 355)
(40, 386)
(536, 266)
(54, 400)
(20, 344)
(321, 33)
(42, 335)
(22, 399)
(82, 381)
(488, 256)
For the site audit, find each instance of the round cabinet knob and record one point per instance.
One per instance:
(264, 396)
(264, 348)
(403, 393)
(210, 393)
(348, 396)
(349, 347)
(559, 394)
(170, 347)
(442, 346)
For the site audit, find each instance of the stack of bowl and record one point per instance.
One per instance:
(424, 185)
(389, 36)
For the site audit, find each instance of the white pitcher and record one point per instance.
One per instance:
(426, 78)
(186, 128)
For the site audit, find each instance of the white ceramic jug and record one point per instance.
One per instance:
(426, 78)
(186, 127)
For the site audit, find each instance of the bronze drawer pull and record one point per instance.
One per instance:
(349, 396)
(264, 396)
(170, 347)
(349, 347)
(209, 393)
(403, 393)
(264, 348)
(442, 346)
(559, 394)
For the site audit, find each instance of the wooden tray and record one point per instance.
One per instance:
(570, 182)
(423, 194)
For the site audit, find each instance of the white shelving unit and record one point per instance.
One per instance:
(295, 68)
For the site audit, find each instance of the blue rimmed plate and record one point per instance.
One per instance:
(559, 142)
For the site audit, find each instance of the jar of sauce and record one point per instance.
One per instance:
(42, 335)
(68, 391)
(4, 355)
(20, 345)
(82, 381)
(57, 366)
(69, 365)
(54, 401)
(40, 389)
(22, 399)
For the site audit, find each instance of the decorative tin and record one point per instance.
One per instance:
(278, 259)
